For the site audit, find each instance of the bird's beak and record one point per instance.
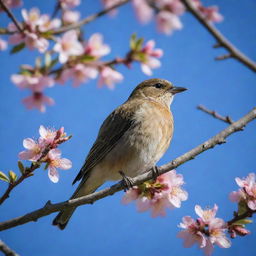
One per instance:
(175, 89)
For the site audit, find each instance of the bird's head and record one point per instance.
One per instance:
(156, 89)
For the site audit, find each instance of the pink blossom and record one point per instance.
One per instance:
(79, 73)
(31, 39)
(164, 192)
(48, 24)
(108, 4)
(12, 4)
(217, 228)
(32, 18)
(210, 13)
(69, 3)
(68, 46)
(174, 6)
(191, 233)
(36, 83)
(206, 215)
(109, 77)
(3, 45)
(167, 22)
(95, 47)
(33, 152)
(143, 11)
(206, 231)
(150, 60)
(247, 193)
(47, 135)
(70, 17)
(38, 100)
(55, 161)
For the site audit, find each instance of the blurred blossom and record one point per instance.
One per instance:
(164, 192)
(36, 83)
(70, 17)
(95, 46)
(38, 101)
(150, 57)
(206, 231)
(210, 13)
(69, 3)
(167, 22)
(109, 77)
(3, 44)
(68, 45)
(174, 6)
(80, 73)
(247, 191)
(12, 4)
(143, 11)
(108, 4)
(55, 161)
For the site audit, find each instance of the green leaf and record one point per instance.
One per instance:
(21, 167)
(87, 58)
(243, 222)
(133, 40)
(12, 176)
(4, 177)
(17, 48)
(47, 59)
(242, 207)
(138, 44)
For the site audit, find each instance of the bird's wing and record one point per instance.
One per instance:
(111, 131)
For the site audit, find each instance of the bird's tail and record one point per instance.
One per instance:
(84, 188)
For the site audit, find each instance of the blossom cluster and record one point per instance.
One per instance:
(247, 192)
(167, 12)
(44, 150)
(206, 231)
(164, 192)
(81, 61)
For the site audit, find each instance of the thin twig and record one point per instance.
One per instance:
(7, 250)
(89, 18)
(226, 119)
(11, 16)
(89, 199)
(222, 41)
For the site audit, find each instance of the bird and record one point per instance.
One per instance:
(131, 140)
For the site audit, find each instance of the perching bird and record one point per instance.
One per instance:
(131, 140)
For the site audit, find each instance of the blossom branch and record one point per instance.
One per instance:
(59, 138)
(226, 119)
(11, 16)
(89, 18)
(89, 199)
(6, 250)
(222, 41)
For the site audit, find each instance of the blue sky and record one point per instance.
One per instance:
(108, 227)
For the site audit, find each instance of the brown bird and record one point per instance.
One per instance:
(130, 142)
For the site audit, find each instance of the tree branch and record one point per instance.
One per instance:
(6, 250)
(226, 119)
(89, 18)
(11, 16)
(222, 41)
(89, 199)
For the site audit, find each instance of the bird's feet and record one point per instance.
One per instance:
(155, 172)
(126, 181)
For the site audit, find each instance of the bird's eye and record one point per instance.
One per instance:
(158, 85)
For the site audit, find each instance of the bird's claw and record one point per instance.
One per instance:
(155, 172)
(126, 181)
